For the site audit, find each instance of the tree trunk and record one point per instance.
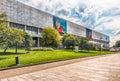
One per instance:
(5, 49)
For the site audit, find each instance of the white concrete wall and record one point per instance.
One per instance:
(76, 29)
(96, 35)
(23, 14)
(1, 6)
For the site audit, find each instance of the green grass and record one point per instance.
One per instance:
(34, 57)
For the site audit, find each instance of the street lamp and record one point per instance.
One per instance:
(100, 45)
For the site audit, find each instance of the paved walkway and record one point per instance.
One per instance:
(98, 69)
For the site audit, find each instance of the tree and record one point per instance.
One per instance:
(70, 41)
(16, 38)
(77, 41)
(3, 20)
(50, 37)
(10, 37)
(27, 42)
(90, 46)
(83, 43)
(117, 44)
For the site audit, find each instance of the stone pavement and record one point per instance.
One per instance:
(98, 69)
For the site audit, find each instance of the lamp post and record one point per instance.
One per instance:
(100, 45)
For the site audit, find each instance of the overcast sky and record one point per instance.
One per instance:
(100, 15)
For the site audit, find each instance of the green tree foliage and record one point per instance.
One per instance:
(70, 41)
(16, 38)
(92, 46)
(13, 38)
(3, 28)
(50, 37)
(21, 38)
(3, 20)
(83, 43)
(10, 37)
(27, 42)
(117, 44)
(89, 46)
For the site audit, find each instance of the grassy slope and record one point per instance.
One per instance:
(41, 56)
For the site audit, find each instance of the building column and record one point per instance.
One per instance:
(9, 24)
(25, 28)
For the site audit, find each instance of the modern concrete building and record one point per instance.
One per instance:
(32, 20)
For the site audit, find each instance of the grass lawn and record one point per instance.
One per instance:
(34, 57)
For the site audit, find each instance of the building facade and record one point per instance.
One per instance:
(32, 20)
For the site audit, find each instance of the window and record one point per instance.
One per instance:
(32, 30)
(19, 26)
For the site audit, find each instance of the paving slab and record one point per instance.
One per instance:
(37, 67)
(104, 68)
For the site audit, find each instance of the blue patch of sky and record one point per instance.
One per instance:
(74, 13)
(23, 0)
(108, 32)
(62, 12)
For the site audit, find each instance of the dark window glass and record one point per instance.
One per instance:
(19, 26)
(32, 30)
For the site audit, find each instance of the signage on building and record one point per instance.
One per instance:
(89, 34)
(60, 24)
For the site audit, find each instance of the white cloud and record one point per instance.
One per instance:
(110, 23)
(113, 25)
(105, 4)
(113, 39)
(98, 28)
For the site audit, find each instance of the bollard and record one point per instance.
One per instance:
(17, 60)
(76, 49)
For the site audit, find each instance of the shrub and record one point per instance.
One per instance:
(41, 49)
(50, 37)
(69, 41)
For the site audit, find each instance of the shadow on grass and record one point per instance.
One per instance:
(10, 53)
(68, 50)
(12, 65)
(1, 58)
(86, 52)
(83, 51)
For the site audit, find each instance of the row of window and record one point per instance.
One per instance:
(98, 41)
(32, 30)
(29, 29)
(19, 26)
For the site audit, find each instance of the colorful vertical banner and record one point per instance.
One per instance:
(89, 34)
(60, 24)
